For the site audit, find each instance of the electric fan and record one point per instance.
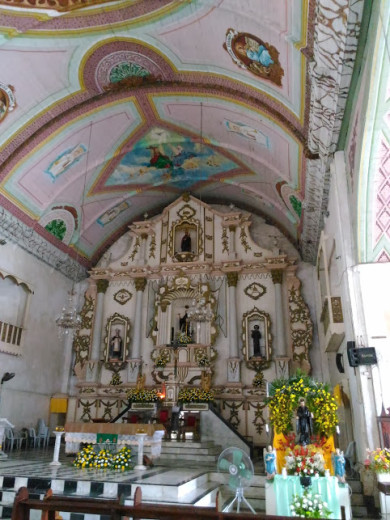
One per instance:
(240, 468)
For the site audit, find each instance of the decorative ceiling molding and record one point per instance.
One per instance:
(58, 5)
(135, 10)
(337, 28)
(24, 236)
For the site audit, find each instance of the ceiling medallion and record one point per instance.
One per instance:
(7, 100)
(255, 290)
(122, 296)
(251, 53)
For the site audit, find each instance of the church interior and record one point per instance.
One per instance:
(195, 223)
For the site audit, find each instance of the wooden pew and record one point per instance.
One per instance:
(116, 511)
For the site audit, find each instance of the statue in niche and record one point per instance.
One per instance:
(116, 345)
(184, 321)
(256, 336)
(186, 242)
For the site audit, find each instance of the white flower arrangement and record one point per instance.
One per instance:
(122, 460)
(309, 505)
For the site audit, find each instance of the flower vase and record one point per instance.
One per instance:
(384, 499)
(305, 481)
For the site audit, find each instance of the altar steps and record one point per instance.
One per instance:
(203, 453)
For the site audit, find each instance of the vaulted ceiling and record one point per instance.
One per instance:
(110, 110)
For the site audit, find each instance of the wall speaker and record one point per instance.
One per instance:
(352, 354)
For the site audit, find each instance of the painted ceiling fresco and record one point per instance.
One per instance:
(110, 111)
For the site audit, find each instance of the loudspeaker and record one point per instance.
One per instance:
(352, 354)
(340, 363)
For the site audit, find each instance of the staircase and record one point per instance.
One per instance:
(199, 453)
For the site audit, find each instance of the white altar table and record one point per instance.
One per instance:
(126, 434)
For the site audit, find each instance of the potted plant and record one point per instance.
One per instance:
(161, 361)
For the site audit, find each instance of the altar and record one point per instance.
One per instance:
(112, 433)
(280, 491)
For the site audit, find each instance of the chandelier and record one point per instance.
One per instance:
(200, 309)
(69, 320)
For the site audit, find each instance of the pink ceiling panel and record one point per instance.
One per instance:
(255, 138)
(65, 182)
(200, 40)
(35, 75)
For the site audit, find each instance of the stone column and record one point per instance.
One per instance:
(93, 363)
(233, 361)
(140, 284)
(280, 340)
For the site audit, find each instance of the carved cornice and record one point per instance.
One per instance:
(24, 236)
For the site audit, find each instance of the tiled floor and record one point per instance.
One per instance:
(35, 463)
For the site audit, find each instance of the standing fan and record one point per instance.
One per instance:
(240, 468)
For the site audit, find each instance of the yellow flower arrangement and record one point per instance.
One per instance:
(85, 458)
(142, 396)
(284, 400)
(105, 459)
(195, 395)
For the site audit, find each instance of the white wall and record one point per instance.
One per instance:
(38, 371)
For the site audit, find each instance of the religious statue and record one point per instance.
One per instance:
(256, 335)
(140, 382)
(205, 381)
(339, 465)
(270, 463)
(183, 321)
(116, 345)
(186, 242)
(304, 417)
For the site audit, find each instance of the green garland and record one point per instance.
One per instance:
(283, 401)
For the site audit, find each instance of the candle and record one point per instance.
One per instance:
(338, 430)
(267, 428)
(284, 472)
(267, 390)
